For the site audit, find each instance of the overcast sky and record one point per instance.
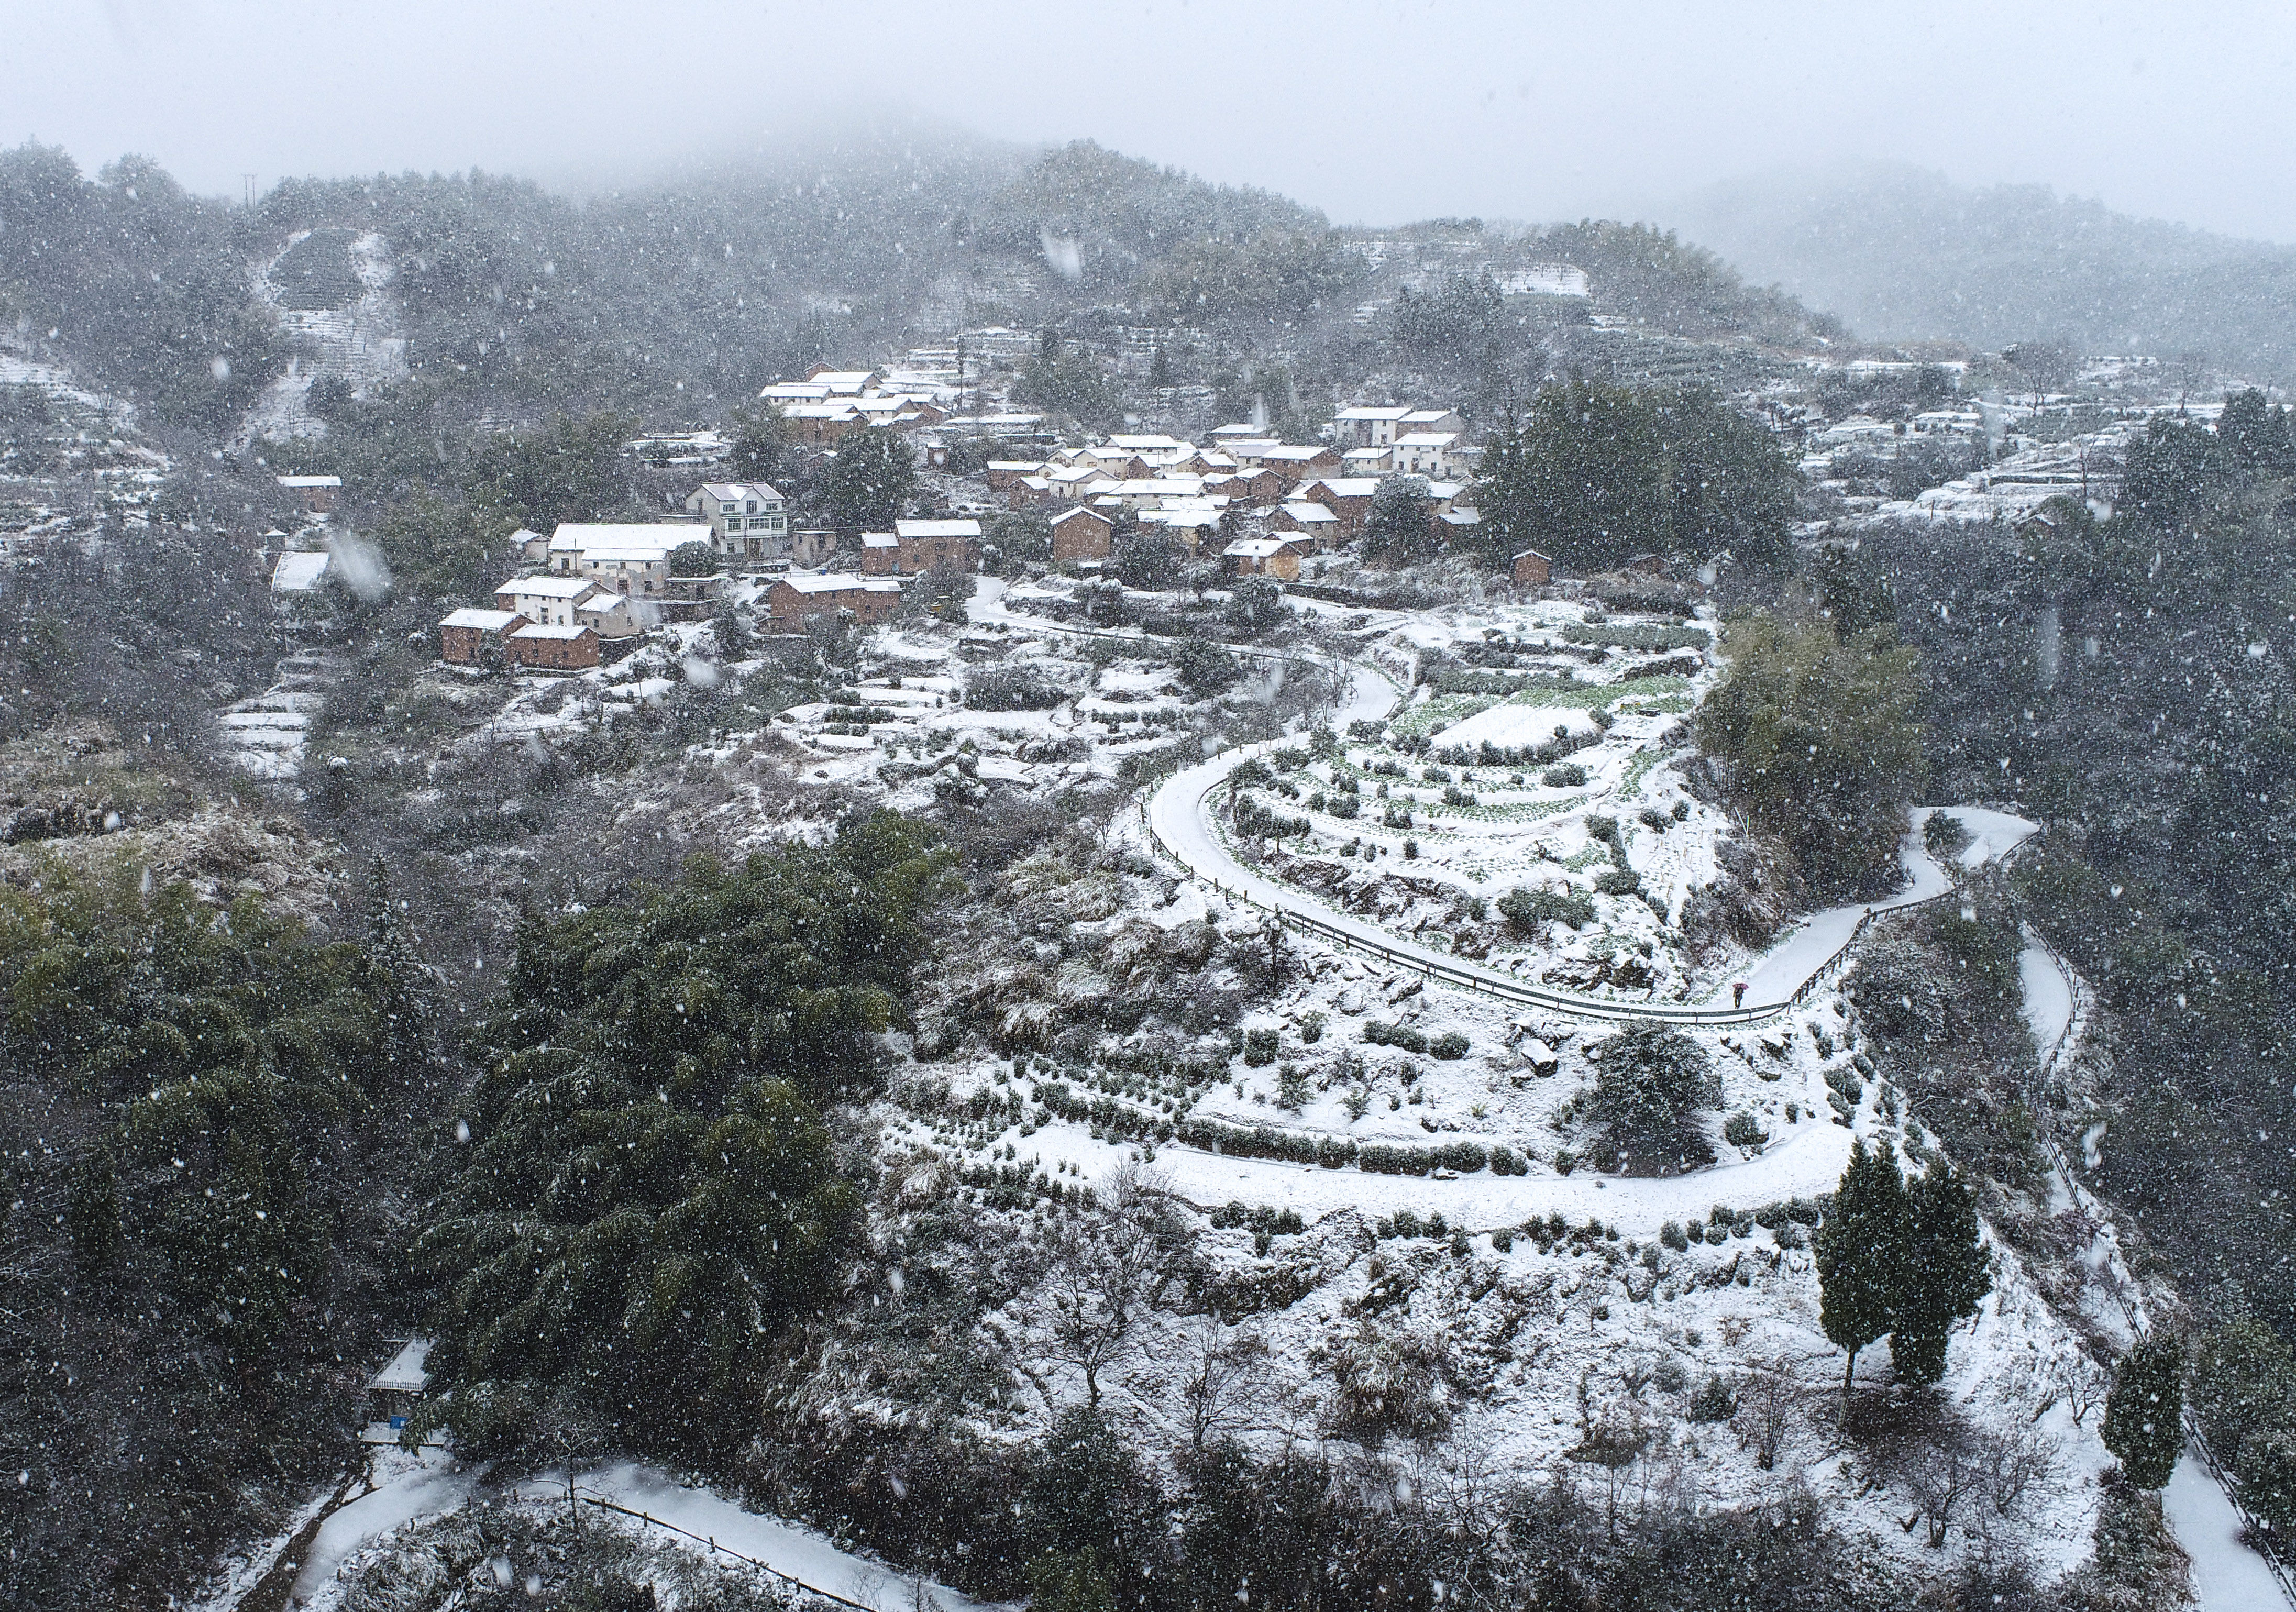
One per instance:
(1376, 113)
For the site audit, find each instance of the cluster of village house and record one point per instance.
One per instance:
(592, 587)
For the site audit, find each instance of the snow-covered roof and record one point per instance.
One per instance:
(880, 540)
(1072, 513)
(1254, 548)
(937, 529)
(1370, 413)
(485, 621)
(1427, 439)
(537, 630)
(547, 587)
(299, 573)
(1293, 455)
(723, 491)
(1145, 444)
(1350, 487)
(405, 1373)
(300, 482)
(840, 582)
(1311, 513)
(665, 536)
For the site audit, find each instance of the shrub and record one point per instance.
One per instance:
(1682, 811)
(1453, 796)
(1945, 835)
(1713, 1402)
(1651, 817)
(1258, 1048)
(1393, 1036)
(1602, 829)
(1450, 1046)
(1619, 881)
(1506, 1161)
(1386, 1158)
(1501, 1240)
(1410, 850)
(1569, 775)
(1526, 909)
(1343, 805)
(1671, 1235)
(1742, 1130)
(1464, 1157)
(1650, 1084)
(1010, 689)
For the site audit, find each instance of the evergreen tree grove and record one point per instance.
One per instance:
(1900, 1259)
(1595, 473)
(1860, 1254)
(643, 1194)
(2145, 1415)
(1946, 1272)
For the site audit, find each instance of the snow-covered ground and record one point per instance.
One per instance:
(403, 1490)
(2227, 1575)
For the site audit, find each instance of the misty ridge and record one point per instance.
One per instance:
(934, 872)
(1901, 254)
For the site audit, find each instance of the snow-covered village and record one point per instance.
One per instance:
(952, 870)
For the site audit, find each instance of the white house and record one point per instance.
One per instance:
(545, 601)
(1359, 428)
(629, 558)
(748, 520)
(1428, 453)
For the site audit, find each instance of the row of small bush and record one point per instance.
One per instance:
(1449, 1045)
(1337, 1152)
(1259, 1217)
(1631, 637)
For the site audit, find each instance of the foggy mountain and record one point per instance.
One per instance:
(1130, 899)
(1901, 253)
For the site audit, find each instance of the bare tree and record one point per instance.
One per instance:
(1108, 1266)
(1768, 1400)
(1225, 1368)
(2013, 1463)
(1941, 1467)
(2078, 1379)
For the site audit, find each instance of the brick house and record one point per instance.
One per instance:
(554, 649)
(927, 543)
(1079, 535)
(1307, 519)
(1263, 557)
(794, 598)
(476, 637)
(1297, 464)
(881, 554)
(1349, 497)
(1533, 569)
(317, 493)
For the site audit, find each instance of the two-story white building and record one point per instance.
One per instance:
(748, 520)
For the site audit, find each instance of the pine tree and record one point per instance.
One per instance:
(1861, 1254)
(1947, 1272)
(402, 984)
(2144, 1415)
